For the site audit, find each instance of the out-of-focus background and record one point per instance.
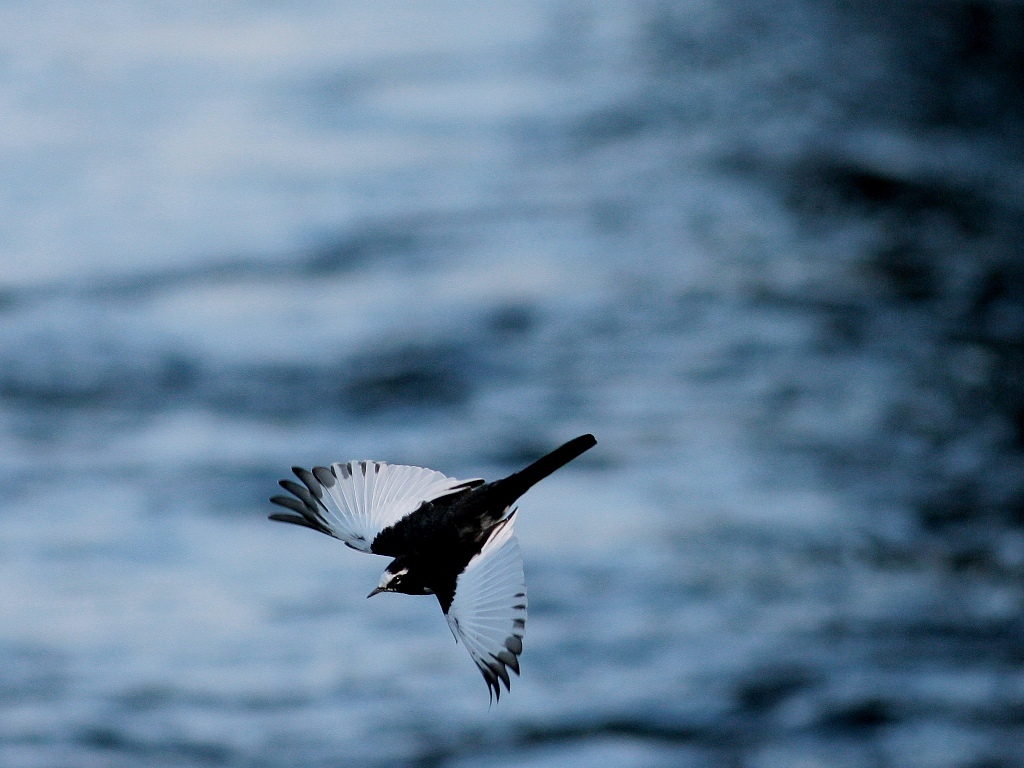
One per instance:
(768, 252)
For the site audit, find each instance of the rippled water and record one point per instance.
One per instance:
(455, 235)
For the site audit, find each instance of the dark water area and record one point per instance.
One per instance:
(769, 253)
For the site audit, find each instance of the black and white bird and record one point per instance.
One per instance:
(450, 538)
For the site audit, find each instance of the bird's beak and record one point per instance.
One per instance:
(377, 590)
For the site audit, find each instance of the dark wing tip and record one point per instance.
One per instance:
(309, 514)
(509, 659)
(310, 481)
(300, 492)
(495, 673)
(325, 476)
(289, 502)
(493, 687)
(282, 517)
(498, 667)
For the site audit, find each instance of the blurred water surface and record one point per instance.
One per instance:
(767, 252)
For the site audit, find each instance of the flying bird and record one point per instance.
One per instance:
(453, 539)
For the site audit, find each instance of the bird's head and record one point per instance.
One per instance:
(396, 578)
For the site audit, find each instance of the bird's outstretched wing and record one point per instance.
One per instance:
(356, 501)
(488, 611)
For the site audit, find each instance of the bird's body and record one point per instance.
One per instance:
(450, 538)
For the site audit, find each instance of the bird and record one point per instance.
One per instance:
(450, 538)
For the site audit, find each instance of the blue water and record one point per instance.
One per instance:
(251, 235)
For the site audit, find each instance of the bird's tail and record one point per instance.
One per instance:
(518, 483)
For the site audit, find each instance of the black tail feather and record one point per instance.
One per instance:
(518, 483)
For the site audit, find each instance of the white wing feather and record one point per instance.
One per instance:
(488, 611)
(356, 501)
